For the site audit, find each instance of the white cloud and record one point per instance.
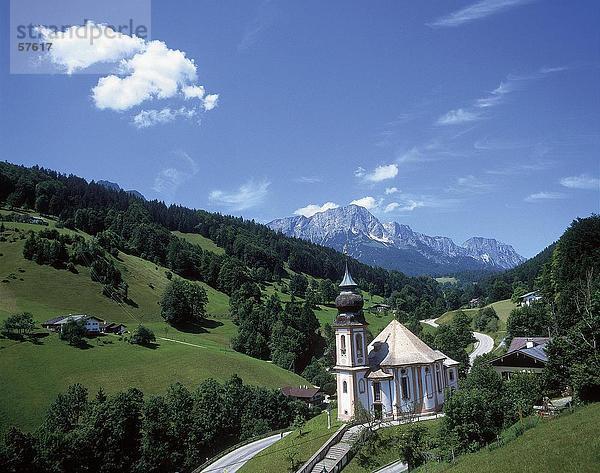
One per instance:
(156, 73)
(476, 11)
(460, 115)
(312, 209)
(541, 196)
(79, 47)
(368, 202)
(148, 118)
(407, 206)
(193, 91)
(380, 173)
(583, 181)
(246, 196)
(210, 102)
(391, 190)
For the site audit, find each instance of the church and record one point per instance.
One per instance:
(395, 375)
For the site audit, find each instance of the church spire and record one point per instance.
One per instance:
(348, 283)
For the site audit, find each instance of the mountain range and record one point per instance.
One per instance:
(392, 245)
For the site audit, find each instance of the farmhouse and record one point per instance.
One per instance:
(309, 394)
(111, 327)
(92, 324)
(524, 355)
(380, 308)
(396, 375)
(529, 298)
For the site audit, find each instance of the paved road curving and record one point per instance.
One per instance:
(233, 461)
(483, 345)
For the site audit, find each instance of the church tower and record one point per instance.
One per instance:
(351, 363)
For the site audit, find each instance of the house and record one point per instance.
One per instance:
(309, 394)
(112, 327)
(529, 298)
(525, 355)
(380, 308)
(91, 323)
(396, 375)
(474, 303)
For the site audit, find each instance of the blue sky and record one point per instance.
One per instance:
(457, 118)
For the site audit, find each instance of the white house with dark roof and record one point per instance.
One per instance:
(395, 375)
(525, 355)
(92, 324)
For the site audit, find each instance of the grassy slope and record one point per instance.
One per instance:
(202, 242)
(502, 308)
(33, 374)
(388, 451)
(314, 434)
(569, 443)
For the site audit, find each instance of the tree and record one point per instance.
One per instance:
(73, 332)
(142, 336)
(528, 321)
(183, 302)
(328, 291)
(298, 285)
(412, 444)
(21, 324)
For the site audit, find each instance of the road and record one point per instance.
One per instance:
(483, 345)
(233, 461)
(396, 467)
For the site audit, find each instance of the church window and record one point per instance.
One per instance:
(359, 345)
(451, 375)
(405, 385)
(343, 344)
(437, 378)
(344, 387)
(428, 382)
(361, 385)
(376, 391)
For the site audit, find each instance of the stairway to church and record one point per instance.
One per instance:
(337, 451)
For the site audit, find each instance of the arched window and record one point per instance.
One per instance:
(361, 386)
(404, 384)
(359, 345)
(451, 375)
(343, 344)
(428, 382)
(437, 378)
(344, 387)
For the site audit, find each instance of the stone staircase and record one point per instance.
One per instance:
(337, 452)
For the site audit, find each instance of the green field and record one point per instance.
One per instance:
(274, 458)
(446, 279)
(203, 242)
(568, 443)
(32, 374)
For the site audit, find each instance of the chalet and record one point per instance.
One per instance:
(474, 303)
(92, 324)
(112, 327)
(525, 355)
(529, 298)
(380, 308)
(309, 394)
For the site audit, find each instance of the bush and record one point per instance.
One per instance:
(142, 336)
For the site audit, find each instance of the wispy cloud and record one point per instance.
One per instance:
(470, 185)
(248, 195)
(583, 181)
(169, 179)
(308, 179)
(476, 11)
(149, 118)
(264, 19)
(380, 173)
(312, 209)
(460, 115)
(407, 206)
(391, 190)
(543, 196)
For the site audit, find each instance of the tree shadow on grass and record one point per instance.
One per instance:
(198, 327)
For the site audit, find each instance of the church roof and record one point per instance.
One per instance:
(348, 281)
(398, 346)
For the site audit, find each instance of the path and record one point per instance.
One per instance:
(233, 461)
(395, 467)
(179, 341)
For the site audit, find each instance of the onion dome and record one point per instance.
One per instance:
(349, 303)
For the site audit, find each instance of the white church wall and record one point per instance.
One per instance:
(345, 407)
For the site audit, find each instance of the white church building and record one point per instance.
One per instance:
(395, 375)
